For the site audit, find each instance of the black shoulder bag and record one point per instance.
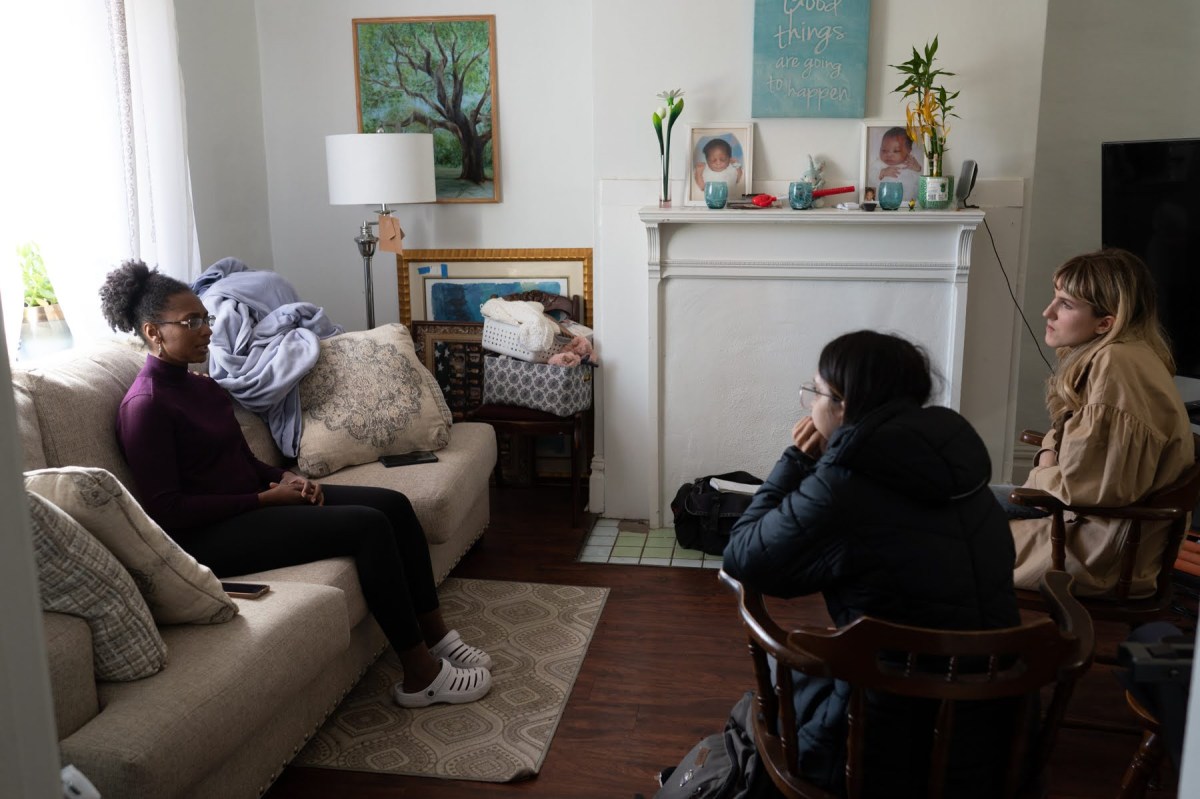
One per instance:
(704, 516)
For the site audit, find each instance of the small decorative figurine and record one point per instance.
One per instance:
(912, 204)
(815, 174)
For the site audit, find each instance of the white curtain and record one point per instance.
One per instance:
(93, 151)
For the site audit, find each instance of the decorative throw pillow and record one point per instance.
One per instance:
(78, 576)
(177, 588)
(368, 396)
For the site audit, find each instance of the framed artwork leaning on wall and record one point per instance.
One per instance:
(451, 285)
(453, 353)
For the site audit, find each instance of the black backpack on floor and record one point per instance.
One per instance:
(704, 516)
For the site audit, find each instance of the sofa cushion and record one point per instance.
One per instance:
(177, 589)
(441, 493)
(72, 681)
(28, 430)
(258, 436)
(76, 403)
(338, 573)
(160, 736)
(78, 576)
(368, 396)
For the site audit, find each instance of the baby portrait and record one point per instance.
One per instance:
(891, 155)
(719, 153)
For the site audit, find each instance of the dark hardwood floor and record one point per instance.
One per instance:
(666, 663)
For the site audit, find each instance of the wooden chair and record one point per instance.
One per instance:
(949, 668)
(518, 422)
(1148, 758)
(1170, 504)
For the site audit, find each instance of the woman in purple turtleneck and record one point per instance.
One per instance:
(197, 477)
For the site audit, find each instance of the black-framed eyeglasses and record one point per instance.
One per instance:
(191, 323)
(809, 393)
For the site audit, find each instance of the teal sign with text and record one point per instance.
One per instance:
(810, 58)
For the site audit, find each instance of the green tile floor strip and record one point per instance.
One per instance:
(631, 542)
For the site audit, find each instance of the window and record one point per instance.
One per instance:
(94, 170)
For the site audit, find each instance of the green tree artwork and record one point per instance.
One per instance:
(435, 75)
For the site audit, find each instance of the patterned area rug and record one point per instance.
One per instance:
(537, 636)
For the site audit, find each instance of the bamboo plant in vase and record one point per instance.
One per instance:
(927, 113)
(664, 117)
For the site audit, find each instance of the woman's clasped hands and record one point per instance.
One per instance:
(293, 489)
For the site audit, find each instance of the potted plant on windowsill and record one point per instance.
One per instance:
(927, 113)
(43, 330)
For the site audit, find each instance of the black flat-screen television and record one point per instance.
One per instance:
(1150, 197)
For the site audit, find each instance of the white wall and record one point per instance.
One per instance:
(641, 49)
(544, 66)
(1113, 71)
(218, 55)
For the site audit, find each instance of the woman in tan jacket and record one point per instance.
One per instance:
(1119, 428)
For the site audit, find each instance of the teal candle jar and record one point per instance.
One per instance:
(891, 194)
(716, 193)
(800, 194)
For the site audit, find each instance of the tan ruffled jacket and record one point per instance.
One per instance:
(1131, 437)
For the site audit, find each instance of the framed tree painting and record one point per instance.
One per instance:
(435, 75)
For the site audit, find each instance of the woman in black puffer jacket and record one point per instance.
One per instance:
(883, 506)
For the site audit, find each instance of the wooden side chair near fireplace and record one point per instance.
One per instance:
(519, 422)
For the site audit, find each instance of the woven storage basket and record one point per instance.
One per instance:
(504, 338)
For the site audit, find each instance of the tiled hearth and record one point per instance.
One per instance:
(633, 542)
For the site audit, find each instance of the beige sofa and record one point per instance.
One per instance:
(237, 700)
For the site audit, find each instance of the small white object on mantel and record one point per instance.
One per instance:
(741, 301)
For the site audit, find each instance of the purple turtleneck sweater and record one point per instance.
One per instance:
(186, 450)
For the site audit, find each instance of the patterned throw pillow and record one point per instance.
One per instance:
(79, 577)
(177, 588)
(368, 396)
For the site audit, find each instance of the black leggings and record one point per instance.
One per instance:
(375, 525)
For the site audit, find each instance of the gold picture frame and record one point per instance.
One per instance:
(427, 278)
(453, 354)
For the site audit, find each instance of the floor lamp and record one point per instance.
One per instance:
(378, 169)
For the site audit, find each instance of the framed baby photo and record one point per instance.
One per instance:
(888, 154)
(719, 151)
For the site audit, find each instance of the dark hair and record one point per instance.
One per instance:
(718, 144)
(866, 369)
(134, 293)
(897, 133)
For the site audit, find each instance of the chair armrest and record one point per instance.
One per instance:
(1036, 498)
(1072, 618)
(1031, 437)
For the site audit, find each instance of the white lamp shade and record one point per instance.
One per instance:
(379, 168)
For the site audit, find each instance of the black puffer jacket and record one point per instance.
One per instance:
(894, 521)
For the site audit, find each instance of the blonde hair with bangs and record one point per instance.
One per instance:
(1114, 283)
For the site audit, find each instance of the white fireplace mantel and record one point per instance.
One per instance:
(742, 301)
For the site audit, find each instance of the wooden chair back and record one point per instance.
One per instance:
(947, 667)
(571, 306)
(1172, 504)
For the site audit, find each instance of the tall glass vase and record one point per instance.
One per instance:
(934, 191)
(664, 194)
